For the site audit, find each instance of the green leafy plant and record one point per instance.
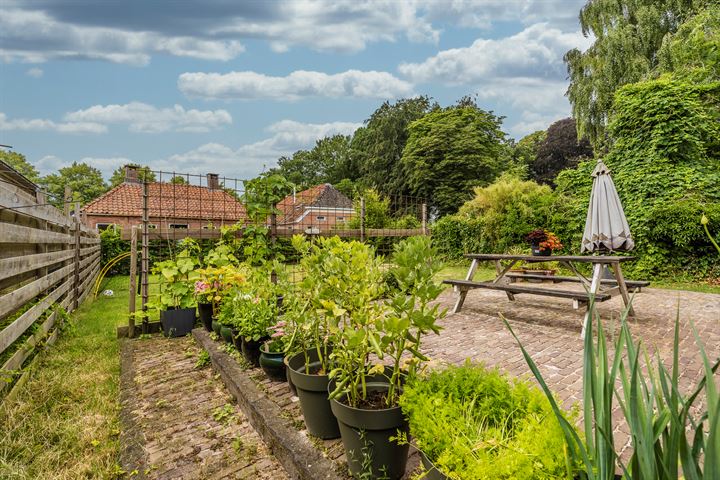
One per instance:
(474, 422)
(391, 330)
(657, 413)
(176, 279)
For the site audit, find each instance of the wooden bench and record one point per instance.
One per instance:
(577, 297)
(633, 285)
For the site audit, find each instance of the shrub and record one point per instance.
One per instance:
(498, 218)
(477, 423)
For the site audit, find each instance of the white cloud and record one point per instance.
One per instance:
(35, 72)
(35, 36)
(525, 71)
(536, 52)
(248, 160)
(39, 124)
(144, 118)
(298, 84)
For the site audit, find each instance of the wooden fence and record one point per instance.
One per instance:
(47, 259)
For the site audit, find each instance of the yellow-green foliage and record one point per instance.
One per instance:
(477, 423)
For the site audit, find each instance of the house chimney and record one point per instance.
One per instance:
(131, 174)
(213, 181)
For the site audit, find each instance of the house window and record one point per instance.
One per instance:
(152, 226)
(103, 226)
(340, 219)
(320, 218)
(179, 225)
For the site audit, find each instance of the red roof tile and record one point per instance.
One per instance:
(167, 200)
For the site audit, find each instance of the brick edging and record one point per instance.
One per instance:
(132, 455)
(291, 448)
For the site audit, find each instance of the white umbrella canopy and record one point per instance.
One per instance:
(606, 226)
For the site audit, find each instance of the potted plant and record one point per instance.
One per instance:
(365, 396)
(176, 299)
(472, 422)
(272, 353)
(212, 285)
(340, 278)
(543, 242)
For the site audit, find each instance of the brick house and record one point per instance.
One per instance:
(317, 209)
(170, 205)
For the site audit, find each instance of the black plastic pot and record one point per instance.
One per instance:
(313, 393)
(431, 471)
(251, 350)
(291, 386)
(205, 313)
(216, 326)
(177, 322)
(226, 334)
(272, 363)
(236, 339)
(366, 436)
(540, 252)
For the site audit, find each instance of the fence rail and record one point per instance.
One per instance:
(47, 259)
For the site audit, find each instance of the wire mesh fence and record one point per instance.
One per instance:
(167, 207)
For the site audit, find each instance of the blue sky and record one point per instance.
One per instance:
(229, 86)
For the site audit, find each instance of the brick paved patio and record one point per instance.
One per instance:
(180, 422)
(550, 330)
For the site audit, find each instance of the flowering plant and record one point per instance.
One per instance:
(214, 283)
(545, 239)
(277, 337)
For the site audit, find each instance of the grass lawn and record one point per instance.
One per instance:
(63, 423)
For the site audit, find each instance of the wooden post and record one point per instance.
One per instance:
(362, 219)
(67, 197)
(424, 218)
(145, 261)
(133, 281)
(273, 240)
(43, 225)
(76, 281)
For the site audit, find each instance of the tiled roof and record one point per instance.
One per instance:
(325, 195)
(167, 200)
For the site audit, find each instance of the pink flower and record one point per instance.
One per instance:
(201, 286)
(280, 324)
(277, 334)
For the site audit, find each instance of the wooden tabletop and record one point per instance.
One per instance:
(551, 258)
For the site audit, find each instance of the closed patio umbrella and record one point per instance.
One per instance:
(606, 227)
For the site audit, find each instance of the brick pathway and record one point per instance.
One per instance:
(179, 422)
(550, 330)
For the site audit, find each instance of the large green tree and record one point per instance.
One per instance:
(20, 163)
(118, 176)
(560, 149)
(329, 161)
(377, 147)
(628, 35)
(451, 150)
(86, 183)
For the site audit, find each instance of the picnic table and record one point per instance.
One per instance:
(597, 287)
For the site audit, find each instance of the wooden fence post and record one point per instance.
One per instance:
(145, 260)
(133, 281)
(76, 280)
(424, 218)
(67, 197)
(362, 219)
